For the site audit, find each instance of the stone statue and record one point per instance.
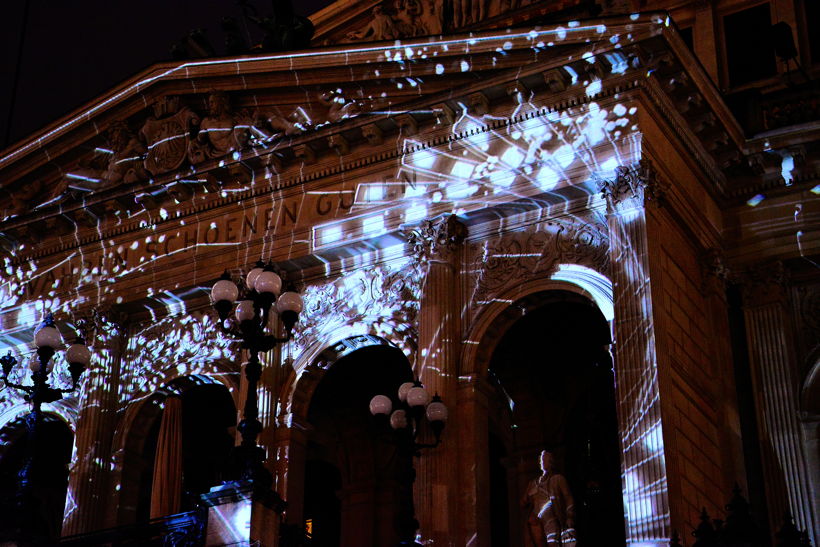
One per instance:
(551, 510)
(218, 133)
(381, 27)
(125, 164)
(432, 19)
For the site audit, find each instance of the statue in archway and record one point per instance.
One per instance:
(550, 507)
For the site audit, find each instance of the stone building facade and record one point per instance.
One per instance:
(428, 195)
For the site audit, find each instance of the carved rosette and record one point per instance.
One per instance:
(506, 261)
(637, 182)
(437, 239)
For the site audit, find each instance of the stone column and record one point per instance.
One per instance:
(775, 382)
(87, 498)
(438, 246)
(473, 465)
(645, 491)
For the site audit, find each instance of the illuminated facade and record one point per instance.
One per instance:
(426, 196)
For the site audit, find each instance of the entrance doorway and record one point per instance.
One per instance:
(206, 418)
(354, 476)
(554, 384)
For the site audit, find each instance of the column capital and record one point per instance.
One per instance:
(437, 239)
(715, 272)
(763, 284)
(637, 183)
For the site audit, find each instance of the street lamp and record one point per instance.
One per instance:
(260, 294)
(405, 419)
(48, 340)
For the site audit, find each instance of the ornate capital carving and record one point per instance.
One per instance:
(715, 273)
(764, 284)
(437, 239)
(638, 182)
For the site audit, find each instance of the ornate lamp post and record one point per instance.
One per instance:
(48, 340)
(259, 296)
(406, 419)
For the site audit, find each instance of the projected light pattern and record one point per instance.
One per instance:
(528, 152)
(493, 160)
(172, 347)
(636, 368)
(382, 300)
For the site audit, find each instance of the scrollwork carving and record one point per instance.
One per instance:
(385, 298)
(437, 239)
(638, 181)
(503, 262)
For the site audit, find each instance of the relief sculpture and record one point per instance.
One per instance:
(167, 133)
(221, 131)
(503, 262)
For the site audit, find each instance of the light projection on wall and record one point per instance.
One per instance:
(175, 346)
(529, 153)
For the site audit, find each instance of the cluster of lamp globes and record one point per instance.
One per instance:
(263, 289)
(415, 401)
(48, 341)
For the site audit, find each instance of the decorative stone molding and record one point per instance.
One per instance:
(384, 298)
(715, 273)
(764, 284)
(507, 260)
(437, 239)
(638, 181)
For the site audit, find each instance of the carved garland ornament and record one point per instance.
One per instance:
(384, 298)
(508, 260)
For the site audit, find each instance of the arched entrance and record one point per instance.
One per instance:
(551, 372)
(355, 479)
(49, 473)
(205, 420)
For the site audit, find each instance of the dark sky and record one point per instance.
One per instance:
(74, 50)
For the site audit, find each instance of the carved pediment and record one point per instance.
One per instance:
(153, 149)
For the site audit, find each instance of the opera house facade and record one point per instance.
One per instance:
(581, 227)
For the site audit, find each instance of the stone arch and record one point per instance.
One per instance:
(134, 428)
(485, 332)
(66, 409)
(479, 394)
(308, 369)
(297, 394)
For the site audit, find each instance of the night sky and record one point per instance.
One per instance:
(75, 50)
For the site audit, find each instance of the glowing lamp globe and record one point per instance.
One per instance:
(289, 306)
(78, 354)
(48, 337)
(268, 282)
(224, 290)
(34, 363)
(380, 405)
(398, 420)
(417, 397)
(250, 279)
(245, 311)
(403, 389)
(436, 411)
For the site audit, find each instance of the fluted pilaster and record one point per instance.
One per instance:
(643, 465)
(776, 386)
(438, 245)
(88, 487)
